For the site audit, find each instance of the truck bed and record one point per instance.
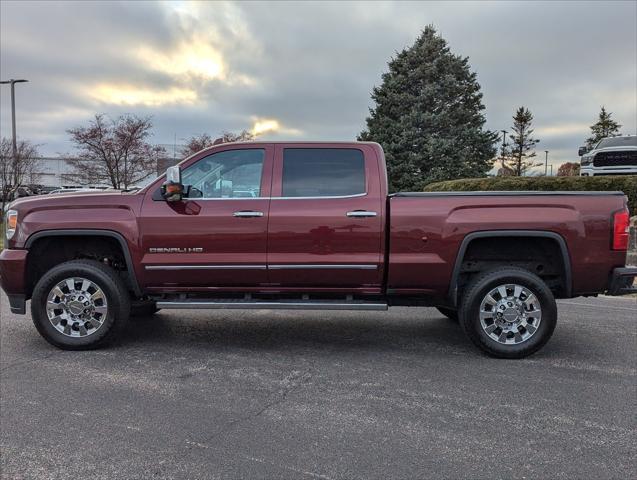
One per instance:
(429, 232)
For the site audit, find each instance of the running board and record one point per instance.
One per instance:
(272, 305)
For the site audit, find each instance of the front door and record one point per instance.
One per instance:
(325, 225)
(216, 237)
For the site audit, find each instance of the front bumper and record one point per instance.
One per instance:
(12, 277)
(592, 171)
(622, 281)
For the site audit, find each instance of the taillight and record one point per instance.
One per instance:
(620, 230)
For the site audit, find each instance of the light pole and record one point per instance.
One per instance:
(546, 162)
(504, 138)
(15, 143)
(551, 170)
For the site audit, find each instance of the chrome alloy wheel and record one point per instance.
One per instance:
(510, 314)
(76, 307)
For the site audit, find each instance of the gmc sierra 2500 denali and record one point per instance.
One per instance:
(310, 226)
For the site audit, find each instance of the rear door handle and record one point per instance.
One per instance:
(360, 214)
(247, 214)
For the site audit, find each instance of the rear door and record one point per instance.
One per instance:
(325, 221)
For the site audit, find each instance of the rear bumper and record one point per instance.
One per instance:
(12, 277)
(622, 280)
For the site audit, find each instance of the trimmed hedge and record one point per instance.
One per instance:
(623, 183)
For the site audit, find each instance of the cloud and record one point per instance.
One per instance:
(131, 95)
(307, 68)
(192, 59)
(562, 129)
(265, 126)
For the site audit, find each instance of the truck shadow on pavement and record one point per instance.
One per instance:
(274, 330)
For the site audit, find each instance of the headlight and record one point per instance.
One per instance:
(11, 222)
(586, 160)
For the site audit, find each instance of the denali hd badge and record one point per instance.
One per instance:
(175, 250)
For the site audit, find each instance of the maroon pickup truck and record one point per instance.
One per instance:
(310, 226)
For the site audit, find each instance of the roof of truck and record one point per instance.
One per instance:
(494, 193)
(322, 142)
(283, 142)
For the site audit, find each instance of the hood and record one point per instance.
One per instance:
(624, 148)
(114, 211)
(71, 199)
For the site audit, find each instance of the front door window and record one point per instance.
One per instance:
(229, 174)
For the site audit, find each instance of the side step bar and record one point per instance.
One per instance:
(272, 305)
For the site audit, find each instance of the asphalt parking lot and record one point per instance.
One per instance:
(262, 394)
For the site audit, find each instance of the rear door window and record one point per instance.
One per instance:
(323, 172)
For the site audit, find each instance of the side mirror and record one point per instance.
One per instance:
(173, 190)
(582, 151)
(173, 174)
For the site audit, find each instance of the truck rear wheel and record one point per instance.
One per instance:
(508, 313)
(79, 305)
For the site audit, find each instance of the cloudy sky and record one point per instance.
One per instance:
(305, 70)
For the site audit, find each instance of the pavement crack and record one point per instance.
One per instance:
(293, 382)
(287, 467)
(21, 363)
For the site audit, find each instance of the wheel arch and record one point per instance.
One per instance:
(466, 241)
(118, 237)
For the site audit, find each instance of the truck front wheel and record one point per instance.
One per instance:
(508, 312)
(79, 305)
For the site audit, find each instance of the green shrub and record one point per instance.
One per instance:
(622, 183)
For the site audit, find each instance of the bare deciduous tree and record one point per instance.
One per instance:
(199, 142)
(113, 151)
(16, 171)
(242, 136)
(196, 143)
(568, 169)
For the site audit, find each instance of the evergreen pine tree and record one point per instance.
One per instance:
(605, 127)
(428, 117)
(522, 146)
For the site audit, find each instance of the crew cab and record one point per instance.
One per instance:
(310, 226)
(611, 156)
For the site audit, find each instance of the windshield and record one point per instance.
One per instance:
(617, 142)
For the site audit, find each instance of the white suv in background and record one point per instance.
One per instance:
(611, 156)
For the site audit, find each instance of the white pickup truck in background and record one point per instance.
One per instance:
(611, 156)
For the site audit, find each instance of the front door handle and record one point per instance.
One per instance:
(360, 214)
(247, 214)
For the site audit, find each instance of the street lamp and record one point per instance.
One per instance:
(546, 162)
(15, 143)
(504, 138)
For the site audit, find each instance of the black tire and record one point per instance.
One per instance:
(101, 275)
(143, 308)
(476, 291)
(450, 313)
